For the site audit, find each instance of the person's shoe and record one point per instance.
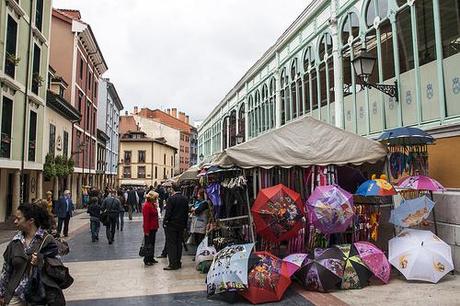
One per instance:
(170, 268)
(93, 240)
(148, 263)
(162, 256)
(154, 261)
(66, 235)
(121, 229)
(97, 238)
(110, 241)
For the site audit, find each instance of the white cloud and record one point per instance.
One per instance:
(182, 53)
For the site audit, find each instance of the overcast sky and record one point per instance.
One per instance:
(182, 53)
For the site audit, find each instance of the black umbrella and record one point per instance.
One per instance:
(406, 136)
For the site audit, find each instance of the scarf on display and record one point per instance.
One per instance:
(213, 192)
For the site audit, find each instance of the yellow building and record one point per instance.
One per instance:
(144, 161)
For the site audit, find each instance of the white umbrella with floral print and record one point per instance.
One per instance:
(420, 255)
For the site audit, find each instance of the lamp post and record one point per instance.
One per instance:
(363, 65)
(201, 157)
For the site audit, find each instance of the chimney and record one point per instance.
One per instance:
(182, 116)
(174, 112)
(136, 110)
(187, 119)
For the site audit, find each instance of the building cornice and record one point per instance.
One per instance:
(61, 106)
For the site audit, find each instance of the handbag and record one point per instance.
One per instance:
(34, 291)
(145, 249)
(105, 218)
(56, 270)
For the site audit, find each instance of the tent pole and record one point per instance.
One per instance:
(251, 228)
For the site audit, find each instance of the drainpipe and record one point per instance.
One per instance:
(24, 124)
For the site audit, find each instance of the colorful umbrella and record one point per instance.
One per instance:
(376, 187)
(204, 252)
(229, 269)
(323, 270)
(420, 182)
(294, 262)
(411, 212)
(420, 255)
(278, 213)
(330, 209)
(268, 279)
(375, 260)
(355, 273)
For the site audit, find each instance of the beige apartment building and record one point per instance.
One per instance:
(144, 161)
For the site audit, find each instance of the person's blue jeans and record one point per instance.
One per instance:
(95, 224)
(120, 220)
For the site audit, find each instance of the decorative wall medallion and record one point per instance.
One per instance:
(32, 184)
(348, 115)
(429, 91)
(391, 103)
(361, 112)
(408, 97)
(374, 108)
(456, 85)
(59, 143)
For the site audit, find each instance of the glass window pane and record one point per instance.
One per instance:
(7, 113)
(404, 31)
(386, 40)
(450, 26)
(425, 31)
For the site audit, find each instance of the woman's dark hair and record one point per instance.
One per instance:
(119, 193)
(40, 215)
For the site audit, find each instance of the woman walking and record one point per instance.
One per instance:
(150, 219)
(28, 249)
(121, 220)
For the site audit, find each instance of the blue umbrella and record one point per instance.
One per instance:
(411, 212)
(406, 136)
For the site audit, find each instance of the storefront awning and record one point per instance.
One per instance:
(303, 142)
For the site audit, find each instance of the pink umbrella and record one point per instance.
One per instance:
(421, 182)
(374, 259)
(294, 262)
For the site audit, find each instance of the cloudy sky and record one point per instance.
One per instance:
(182, 53)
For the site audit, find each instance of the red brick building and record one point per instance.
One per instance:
(176, 120)
(76, 56)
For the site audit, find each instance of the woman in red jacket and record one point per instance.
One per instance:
(150, 216)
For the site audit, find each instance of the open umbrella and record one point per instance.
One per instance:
(204, 252)
(420, 255)
(322, 270)
(376, 187)
(411, 212)
(229, 269)
(355, 273)
(330, 209)
(278, 213)
(420, 182)
(406, 136)
(294, 262)
(268, 279)
(375, 260)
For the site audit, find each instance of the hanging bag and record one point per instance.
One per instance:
(34, 291)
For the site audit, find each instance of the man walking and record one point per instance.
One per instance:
(113, 207)
(175, 221)
(132, 201)
(64, 210)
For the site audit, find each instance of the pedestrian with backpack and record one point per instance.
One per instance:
(111, 208)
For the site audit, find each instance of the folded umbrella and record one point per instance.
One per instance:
(411, 212)
(278, 213)
(229, 269)
(420, 255)
(330, 209)
(268, 279)
(323, 270)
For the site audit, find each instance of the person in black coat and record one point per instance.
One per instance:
(174, 222)
(94, 211)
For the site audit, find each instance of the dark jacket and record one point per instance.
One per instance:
(132, 198)
(61, 208)
(16, 258)
(94, 209)
(112, 205)
(176, 215)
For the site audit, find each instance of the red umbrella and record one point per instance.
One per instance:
(278, 213)
(268, 279)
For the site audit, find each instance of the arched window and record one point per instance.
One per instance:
(272, 111)
(264, 107)
(251, 116)
(232, 128)
(376, 8)
(257, 112)
(293, 87)
(308, 62)
(350, 28)
(224, 133)
(325, 46)
(283, 96)
(241, 122)
(326, 71)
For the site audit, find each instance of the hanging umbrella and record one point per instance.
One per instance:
(268, 279)
(204, 252)
(376, 187)
(323, 270)
(420, 182)
(294, 262)
(406, 136)
(355, 273)
(278, 213)
(411, 212)
(330, 209)
(420, 255)
(375, 260)
(229, 269)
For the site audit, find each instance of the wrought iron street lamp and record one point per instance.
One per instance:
(363, 65)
